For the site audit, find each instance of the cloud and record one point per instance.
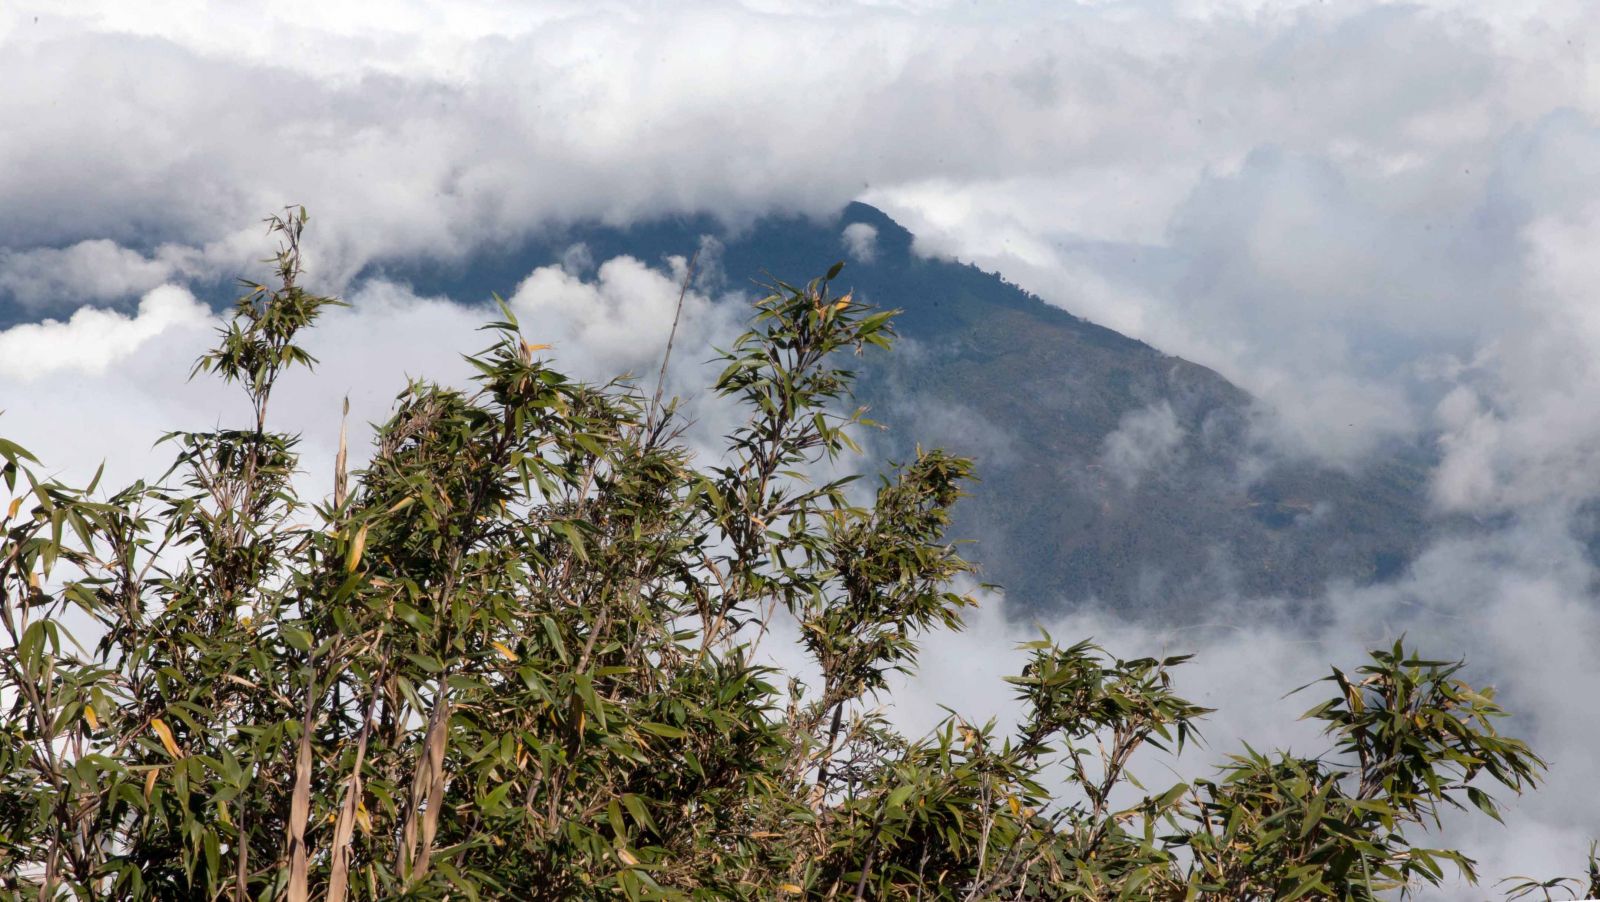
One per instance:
(1313, 201)
(861, 241)
(618, 322)
(1323, 245)
(1144, 441)
(429, 129)
(1519, 425)
(93, 339)
(577, 260)
(93, 271)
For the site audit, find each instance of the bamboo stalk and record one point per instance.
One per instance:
(344, 827)
(300, 804)
(427, 793)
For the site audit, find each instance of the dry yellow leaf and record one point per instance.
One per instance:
(164, 732)
(89, 715)
(627, 857)
(503, 650)
(149, 783)
(791, 888)
(363, 818)
(528, 349)
(16, 505)
(357, 548)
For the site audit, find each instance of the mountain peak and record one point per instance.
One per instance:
(1110, 470)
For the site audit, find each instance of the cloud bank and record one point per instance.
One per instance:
(1323, 203)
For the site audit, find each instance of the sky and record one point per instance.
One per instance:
(1378, 218)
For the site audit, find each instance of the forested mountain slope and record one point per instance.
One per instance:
(1110, 470)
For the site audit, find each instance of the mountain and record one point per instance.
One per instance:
(1110, 471)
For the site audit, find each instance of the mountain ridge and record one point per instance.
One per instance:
(1111, 472)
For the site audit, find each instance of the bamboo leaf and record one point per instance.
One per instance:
(164, 733)
(358, 546)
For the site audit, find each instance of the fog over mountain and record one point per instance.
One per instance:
(1272, 326)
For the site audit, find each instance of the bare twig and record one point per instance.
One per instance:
(661, 377)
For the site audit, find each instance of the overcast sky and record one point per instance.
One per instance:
(1380, 219)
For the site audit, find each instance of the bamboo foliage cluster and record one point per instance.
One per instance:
(512, 658)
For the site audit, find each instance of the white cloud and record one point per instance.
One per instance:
(861, 241)
(577, 260)
(1146, 440)
(1309, 199)
(93, 339)
(1340, 418)
(432, 128)
(92, 271)
(618, 323)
